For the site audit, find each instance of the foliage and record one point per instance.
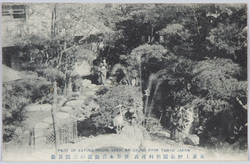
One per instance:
(102, 90)
(16, 96)
(227, 33)
(146, 59)
(209, 87)
(147, 52)
(119, 95)
(217, 78)
(198, 53)
(217, 85)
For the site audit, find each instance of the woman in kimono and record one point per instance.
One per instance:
(103, 72)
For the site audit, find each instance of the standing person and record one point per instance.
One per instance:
(172, 124)
(103, 72)
(176, 124)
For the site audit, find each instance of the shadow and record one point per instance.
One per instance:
(88, 128)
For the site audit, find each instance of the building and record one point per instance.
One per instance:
(20, 20)
(23, 21)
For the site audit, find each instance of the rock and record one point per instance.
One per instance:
(42, 107)
(82, 69)
(82, 97)
(75, 103)
(62, 116)
(192, 140)
(82, 118)
(18, 131)
(73, 111)
(86, 83)
(109, 82)
(89, 93)
(163, 134)
(62, 100)
(66, 109)
(93, 86)
(75, 94)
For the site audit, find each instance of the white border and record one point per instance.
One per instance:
(129, 1)
(126, 1)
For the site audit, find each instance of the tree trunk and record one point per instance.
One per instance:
(53, 113)
(65, 85)
(152, 35)
(53, 22)
(69, 90)
(61, 53)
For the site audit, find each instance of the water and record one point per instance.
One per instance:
(190, 117)
(153, 99)
(152, 78)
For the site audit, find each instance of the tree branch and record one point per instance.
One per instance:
(240, 102)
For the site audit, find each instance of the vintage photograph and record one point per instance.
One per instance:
(124, 82)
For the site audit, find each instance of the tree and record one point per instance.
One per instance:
(51, 48)
(126, 95)
(16, 96)
(174, 90)
(150, 59)
(216, 84)
(228, 37)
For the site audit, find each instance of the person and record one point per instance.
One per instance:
(103, 72)
(176, 124)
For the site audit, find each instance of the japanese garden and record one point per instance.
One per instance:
(124, 74)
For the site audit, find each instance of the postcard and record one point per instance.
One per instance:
(124, 82)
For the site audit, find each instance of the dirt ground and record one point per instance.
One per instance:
(123, 147)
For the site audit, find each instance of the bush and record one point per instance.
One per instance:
(122, 94)
(76, 83)
(102, 109)
(102, 90)
(15, 97)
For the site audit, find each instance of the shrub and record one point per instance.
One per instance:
(15, 97)
(122, 94)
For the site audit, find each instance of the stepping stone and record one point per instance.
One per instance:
(75, 103)
(89, 93)
(67, 109)
(42, 107)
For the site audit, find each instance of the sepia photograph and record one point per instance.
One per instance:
(124, 82)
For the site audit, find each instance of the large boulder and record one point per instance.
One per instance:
(86, 83)
(192, 140)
